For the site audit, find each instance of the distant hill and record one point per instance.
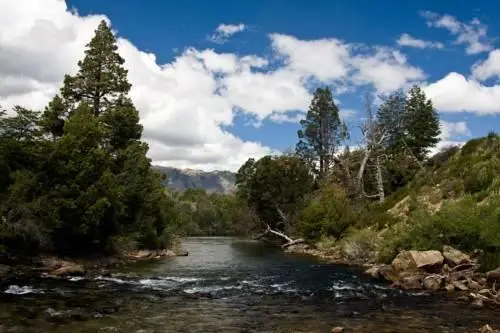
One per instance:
(213, 181)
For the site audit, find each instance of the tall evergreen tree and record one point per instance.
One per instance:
(391, 120)
(421, 123)
(101, 79)
(321, 133)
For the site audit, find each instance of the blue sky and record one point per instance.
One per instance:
(220, 81)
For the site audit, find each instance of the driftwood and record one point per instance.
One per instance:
(288, 241)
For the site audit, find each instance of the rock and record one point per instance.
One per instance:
(459, 285)
(388, 273)
(415, 260)
(373, 272)
(432, 282)
(143, 254)
(493, 275)
(473, 285)
(338, 329)
(167, 253)
(484, 292)
(182, 253)
(487, 329)
(477, 303)
(411, 282)
(69, 269)
(454, 257)
(449, 287)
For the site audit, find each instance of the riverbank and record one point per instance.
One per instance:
(57, 266)
(448, 271)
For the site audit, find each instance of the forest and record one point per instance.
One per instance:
(75, 177)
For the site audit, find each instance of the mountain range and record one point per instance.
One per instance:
(222, 182)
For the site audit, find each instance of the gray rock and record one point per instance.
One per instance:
(454, 257)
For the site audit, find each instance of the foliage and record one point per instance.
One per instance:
(321, 133)
(211, 214)
(77, 178)
(274, 185)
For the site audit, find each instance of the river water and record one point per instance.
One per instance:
(229, 285)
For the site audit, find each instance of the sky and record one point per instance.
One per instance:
(217, 82)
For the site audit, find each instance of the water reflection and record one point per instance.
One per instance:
(228, 285)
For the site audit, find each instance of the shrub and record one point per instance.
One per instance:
(360, 245)
(462, 224)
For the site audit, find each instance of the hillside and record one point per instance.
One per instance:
(471, 172)
(213, 181)
(454, 201)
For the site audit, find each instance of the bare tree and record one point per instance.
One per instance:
(373, 138)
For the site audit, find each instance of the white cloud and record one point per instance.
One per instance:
(472, 34)
(450, 130)
(281, 118)
(386, 69)
(489, 67)
(224, 31)
(342, 65)
(408, 40)
(443, 144)
(455, 93)
(178, 102)
(325, 59)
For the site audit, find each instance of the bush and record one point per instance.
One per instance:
(360, 245)
(462, 224)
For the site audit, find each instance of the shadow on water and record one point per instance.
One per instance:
(229, 285)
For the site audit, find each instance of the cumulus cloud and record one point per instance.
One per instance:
(342, 64)
(450, 130)
(472, 34)
(386, 69)
(224, 31)
(488, 68)
(188, 104)
(408, 40)
(456, 93)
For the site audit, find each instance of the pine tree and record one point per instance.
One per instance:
(101, 79)
(390, 118)
(321, 133)
(421, 123)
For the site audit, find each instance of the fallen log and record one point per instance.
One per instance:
(294, 242)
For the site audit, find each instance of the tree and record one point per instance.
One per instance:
(374, 133)
(101, 79)
(92, 182)
(321, 133)
(421, 123)
(275, 188)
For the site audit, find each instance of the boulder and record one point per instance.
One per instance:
(415, 260)
(373, 272)
(432, 282)
(460, 285)
(473, 285)
(449, 287)
(338, 329)
(411, 282)
(388, 273)
(454, 257)
(487, 329)
(69, 269)
(494, 275)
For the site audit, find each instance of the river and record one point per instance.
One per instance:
(228, 285)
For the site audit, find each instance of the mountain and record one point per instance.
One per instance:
(212, 181)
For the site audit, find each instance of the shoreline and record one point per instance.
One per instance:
(449, 273)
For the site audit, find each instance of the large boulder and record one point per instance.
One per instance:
(454, 257)
(407, 261)
(494, 275)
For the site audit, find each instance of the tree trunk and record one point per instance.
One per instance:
(380, 180)
(361, 171)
